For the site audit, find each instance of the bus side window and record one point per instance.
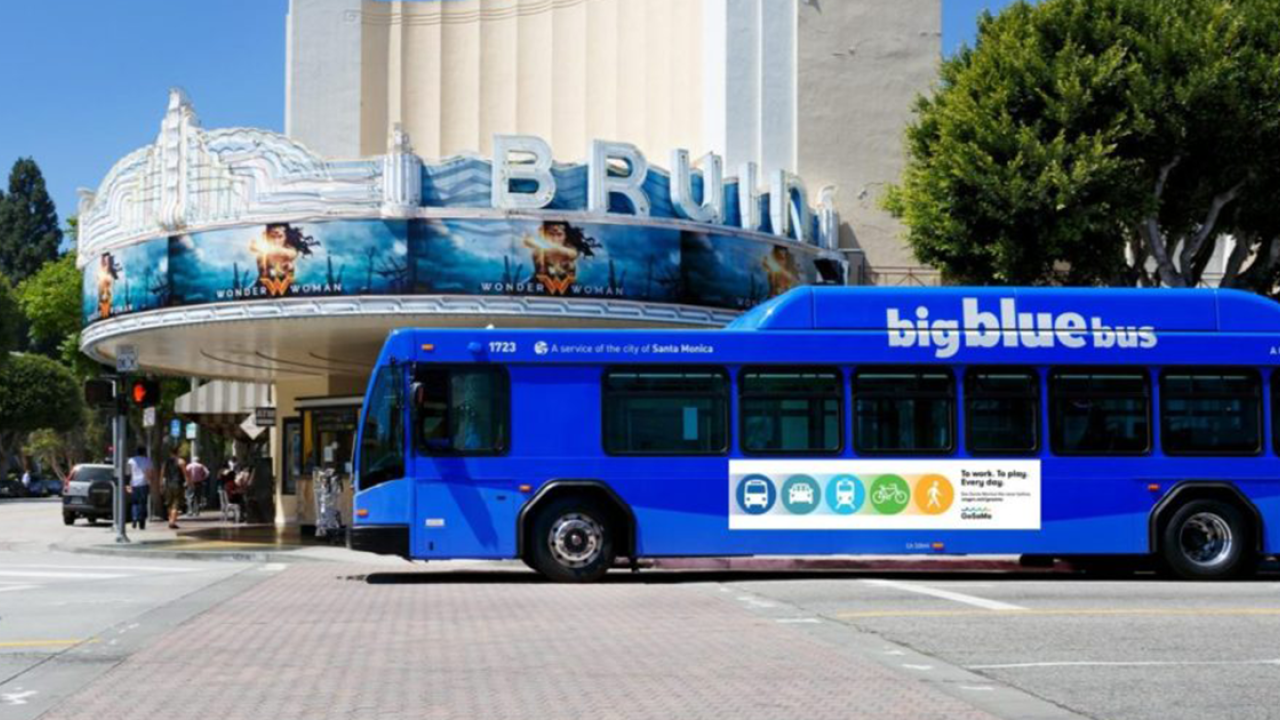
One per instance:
(1001, 410)
(1208, 412)
(790, 410)
(666, 411)
(382, 439)
(1103, 412)
(902, 410)
(461, 410)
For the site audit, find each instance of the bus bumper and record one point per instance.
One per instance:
(381, 539)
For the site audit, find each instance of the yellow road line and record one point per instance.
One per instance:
(41, 643)
(870, 614)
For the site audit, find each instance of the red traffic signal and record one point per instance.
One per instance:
(144, 393)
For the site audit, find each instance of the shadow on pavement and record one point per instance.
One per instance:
(519, 576)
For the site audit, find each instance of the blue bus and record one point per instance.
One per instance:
(1112, 423)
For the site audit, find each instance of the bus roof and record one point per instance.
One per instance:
(873, 308)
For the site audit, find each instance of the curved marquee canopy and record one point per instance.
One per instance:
(240, 253)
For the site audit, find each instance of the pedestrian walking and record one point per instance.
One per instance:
(140, 470)
(175, 483)
(197, 473)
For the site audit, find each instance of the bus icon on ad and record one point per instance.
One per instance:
(756, 494)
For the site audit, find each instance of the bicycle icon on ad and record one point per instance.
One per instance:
(890, 494)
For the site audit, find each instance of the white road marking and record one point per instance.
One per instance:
(977, 688)
(60, 575)
(135, 568)
(272, 567)
(917, 667)
(945, 594)
(13, 588)
(798, 620)
(17, 698)
(1121, 663)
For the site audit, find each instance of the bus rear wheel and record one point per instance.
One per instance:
(572, 540)
(1207, 540)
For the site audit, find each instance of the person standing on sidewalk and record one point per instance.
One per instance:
(140, 469)
(197, 473)
(175, 482)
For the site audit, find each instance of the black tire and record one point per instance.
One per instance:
(1208, 540)
(68, 518)
(586, 548)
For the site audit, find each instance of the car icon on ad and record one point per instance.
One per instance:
(800, 494)
(756, 494)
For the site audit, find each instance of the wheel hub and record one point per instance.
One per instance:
(576, 540)
(1206, 539)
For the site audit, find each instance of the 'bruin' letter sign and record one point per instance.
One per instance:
(522, 180)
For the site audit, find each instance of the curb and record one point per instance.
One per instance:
(904, 564)
(139, 550)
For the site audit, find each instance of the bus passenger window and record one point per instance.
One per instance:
(382, 439)
(666, 411)
(903, 411)
(793, 411)
(1100, 413)
(461, 411)
(1001, 410)
(1207, 412)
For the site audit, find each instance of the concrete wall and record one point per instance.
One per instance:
(322, 81)
(860, 65)
(819, 87)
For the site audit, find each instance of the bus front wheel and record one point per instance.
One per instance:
(1207, 540)
(572, 541)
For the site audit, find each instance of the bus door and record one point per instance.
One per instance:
(460, 425)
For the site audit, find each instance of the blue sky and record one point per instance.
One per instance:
(85, 81)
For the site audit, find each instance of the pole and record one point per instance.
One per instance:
(119, 433)
(195, 441)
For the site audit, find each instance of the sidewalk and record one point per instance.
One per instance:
(319, 641)
(209, 538)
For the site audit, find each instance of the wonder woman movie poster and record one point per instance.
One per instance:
(736, 273)
(279, 260)
(551, 258)
(126, 280)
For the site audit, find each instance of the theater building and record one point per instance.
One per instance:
(591, 163)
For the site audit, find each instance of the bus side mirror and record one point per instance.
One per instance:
(418, 393)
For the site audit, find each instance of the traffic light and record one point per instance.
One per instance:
(144, 393)
(99, 393)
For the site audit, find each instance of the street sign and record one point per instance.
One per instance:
(126, 358)
(149, 417)
(191, 431)
(175, 428)
(252, 428)
(264, 416)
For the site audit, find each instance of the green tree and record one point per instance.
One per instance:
(36, 393)
(1102, 142)
(10, 318)
(50, 299)
(29, 232)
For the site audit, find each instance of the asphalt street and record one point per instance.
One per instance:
(1136, 648)
(67, 618)
(473, 640)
